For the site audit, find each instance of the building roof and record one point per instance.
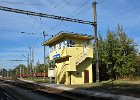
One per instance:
(62, 34)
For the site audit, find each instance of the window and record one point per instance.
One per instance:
(51, 48)
(60, 45)
(70, 43)
(54, 47)
(65, 43)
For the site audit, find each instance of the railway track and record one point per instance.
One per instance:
(6, 95)
(38, 92)
(54, 93)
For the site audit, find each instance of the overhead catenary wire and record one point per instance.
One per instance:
(125, 12)
(79, 8)
(45, 15)
(63, 1)
(69, 19)
(13, 60)
(27, 42)
(58, 24)
(100, 2)
(22, 32)
(73, 20)
(84, 10)
(16, 52)
(88, 8)
(21, 3)
(33, 25)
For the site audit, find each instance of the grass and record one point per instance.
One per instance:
(39, 79)
(125, 87)
(121, 86)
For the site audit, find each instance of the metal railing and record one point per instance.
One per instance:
(81, 58)
(61, 73)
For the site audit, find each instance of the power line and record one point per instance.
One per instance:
(27, 42)
(22, 32)
(83, 11)
(79, 7)
(33, 25)
(69, 15)
(26, 33)
(16, 56)
(125, 12)
(13, 60)
(48, 16)
(60, 3)
(101, 2)
(45, 15)
(22, 3)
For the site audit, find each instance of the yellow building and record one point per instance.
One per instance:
(73, 55)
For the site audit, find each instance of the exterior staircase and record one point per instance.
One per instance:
(62, 74)
(81, 58)
(61, 77)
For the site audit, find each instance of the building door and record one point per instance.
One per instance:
(86, 76)
(70, 73)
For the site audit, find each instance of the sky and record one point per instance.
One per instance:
(20, 32)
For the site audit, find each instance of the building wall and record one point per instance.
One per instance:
(72, 74)
(61, 68)
(77, 77)
(61, 50)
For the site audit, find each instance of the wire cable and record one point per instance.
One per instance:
(52, 28)
(21, 3)
(79, 8)
(125, 12)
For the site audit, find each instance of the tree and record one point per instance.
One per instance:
(125, 64)
(117, 54)
(111, 45)
(102, 59)
(47, 60)
(22, 68)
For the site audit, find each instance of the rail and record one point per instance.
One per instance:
(61, 72)
(80, 58)
(8, 95)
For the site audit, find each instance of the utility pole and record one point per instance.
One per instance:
(20, 72)
(2, 72)
(44, 55)
(28, 64)
(96, 41)
(33, 56)
(33, 60)
(30, 59)
(16, 73)
(23, 70)
(7, 73)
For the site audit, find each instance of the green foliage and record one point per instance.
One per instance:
(40, 68)
(138, 66)
(22, 69)
(117, 53)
